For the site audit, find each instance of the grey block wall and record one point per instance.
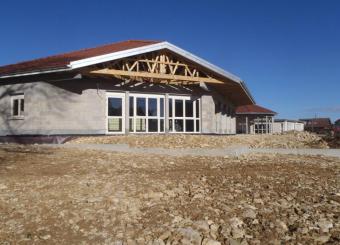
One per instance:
(79, 107)
(53, 110)
(217, 120)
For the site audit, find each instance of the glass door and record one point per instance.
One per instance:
(184, 114)
(146, 113)
(115, 113)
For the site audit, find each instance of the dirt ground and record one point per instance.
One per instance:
(333, 142)
(64, 196)
(286, 140)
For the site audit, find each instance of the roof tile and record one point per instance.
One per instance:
(62, 60)
(253, 109)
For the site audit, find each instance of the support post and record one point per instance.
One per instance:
(127, 112)
(166, 104)
(247, 126)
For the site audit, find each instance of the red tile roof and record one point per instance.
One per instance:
(62, 60)
(254, 109)
(317, 122)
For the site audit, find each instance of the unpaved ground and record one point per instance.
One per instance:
(64, 196)
(333, 142)
(287, 140)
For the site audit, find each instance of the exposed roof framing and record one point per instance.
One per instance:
(159, 66)
(108, 53)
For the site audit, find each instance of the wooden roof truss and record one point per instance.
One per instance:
(155, 67)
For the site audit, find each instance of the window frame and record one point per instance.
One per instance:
(20, 98)
(158, 117)
(195, 117)
(122, 117)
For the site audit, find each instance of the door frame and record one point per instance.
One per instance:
(114, 95)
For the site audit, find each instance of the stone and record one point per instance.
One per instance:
(235, 222)
(233, 242)
(214, 228)
(208, 241)
(282, 227)
(165, 235)
(238, 233)
(322, 239)
(158, 242)
(325, 225)
(202, 225)
(190, 235)
(45, 237)
(3, 187)
(249, 213)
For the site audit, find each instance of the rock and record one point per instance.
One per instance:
(236, 222)
(208, 241)
(214, 228)
(177, 219)
(322, 239)
(45, 237)
(282, 227)
(233, 242)
(202, 225)
(249, 213)
(3, 187)
(325, 225)
(158, 242)
(190, 235)
(165, 235)
(258, 201)
(131, 242)
(238, 233)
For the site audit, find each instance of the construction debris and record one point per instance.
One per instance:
(69, 196)
(287, 140)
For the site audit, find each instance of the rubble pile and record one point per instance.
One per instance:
(285, 140)
(64, 196)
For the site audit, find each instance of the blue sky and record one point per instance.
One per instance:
(288, 52)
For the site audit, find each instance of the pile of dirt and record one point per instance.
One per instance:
(333, 142)
(286, 140)
(62, 196)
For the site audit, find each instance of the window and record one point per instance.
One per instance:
(18, 106)
(146, 113)
(115, 113)
(184, 114)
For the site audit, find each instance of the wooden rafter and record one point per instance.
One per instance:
(156, 67)
(167, 77)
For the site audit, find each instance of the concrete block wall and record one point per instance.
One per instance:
(79, 107)
(220, 121)
(53, 110)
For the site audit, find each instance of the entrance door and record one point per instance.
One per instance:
(115, 113)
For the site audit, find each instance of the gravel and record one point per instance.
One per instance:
(288, 140)
(69, 196)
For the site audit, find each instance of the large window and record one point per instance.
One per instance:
(115, 113)
(184, 114)
(18, 106)
(146, 113)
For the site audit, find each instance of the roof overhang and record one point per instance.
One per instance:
(73, 65)
(255, 113)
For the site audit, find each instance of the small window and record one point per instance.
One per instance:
(18, 105)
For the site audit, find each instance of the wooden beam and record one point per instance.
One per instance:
(114, 72)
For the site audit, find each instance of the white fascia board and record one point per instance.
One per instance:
(136, 51)
(116, 55)
(150, 48)
(155, 47)
(202, 62)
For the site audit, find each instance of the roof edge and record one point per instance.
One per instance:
(135, 51)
